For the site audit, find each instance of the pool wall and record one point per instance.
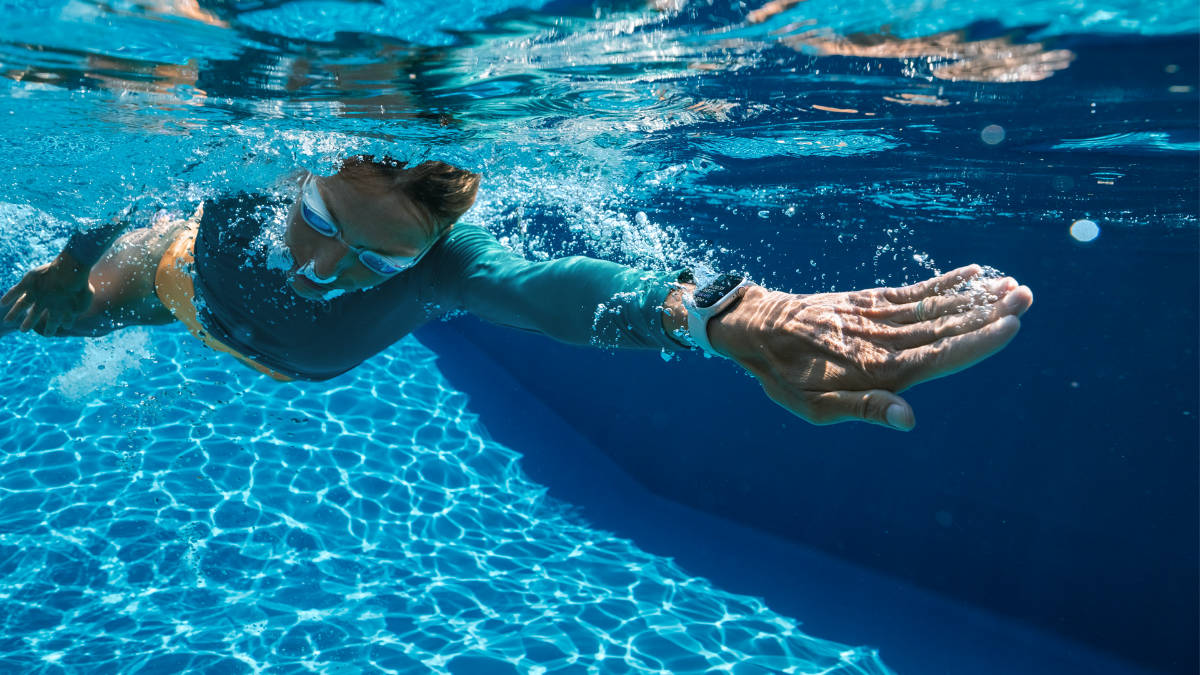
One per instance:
(915, 630)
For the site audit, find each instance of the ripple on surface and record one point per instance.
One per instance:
(813, 143)
(1135, 142)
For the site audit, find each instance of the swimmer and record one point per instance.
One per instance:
(311, 286)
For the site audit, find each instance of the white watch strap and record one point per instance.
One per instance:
(698, 317)
(698, 328)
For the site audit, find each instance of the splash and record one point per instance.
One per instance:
(104, 361)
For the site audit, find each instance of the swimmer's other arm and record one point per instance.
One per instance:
(833, 357)
(53, 295)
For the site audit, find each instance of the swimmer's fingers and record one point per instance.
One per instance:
(12, 294)
(21, 304)
(46, 298)
(932, 286)
(57, 318)
(877, 406)
(965, 321)
(951, 354)
(34, 318)
(935, 306)
(21, 288)
(51, 324)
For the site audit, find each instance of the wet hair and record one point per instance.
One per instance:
(442, 190)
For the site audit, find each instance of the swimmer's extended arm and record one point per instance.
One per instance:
(577, 300)
(832, 357)
(826, 357)
(53, 295)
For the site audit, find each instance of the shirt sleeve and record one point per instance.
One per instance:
(578, 300)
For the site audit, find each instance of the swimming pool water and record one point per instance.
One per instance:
(178, 516)
(161, 509)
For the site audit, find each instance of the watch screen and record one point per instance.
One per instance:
(719, 288)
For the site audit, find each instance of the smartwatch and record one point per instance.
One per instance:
(709, 301)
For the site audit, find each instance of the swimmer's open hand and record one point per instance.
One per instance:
(49, 297)
(832, 357)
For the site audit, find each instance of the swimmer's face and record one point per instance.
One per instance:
(374, 217)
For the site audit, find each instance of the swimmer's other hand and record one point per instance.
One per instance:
(832, 357)
(49, 297)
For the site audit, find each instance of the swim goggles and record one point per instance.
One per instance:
(316, 215)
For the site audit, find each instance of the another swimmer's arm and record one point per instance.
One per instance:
(53, 295)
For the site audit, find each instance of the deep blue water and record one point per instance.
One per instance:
(160, 508)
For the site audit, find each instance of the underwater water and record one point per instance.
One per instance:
(219, 522)
(162, 508)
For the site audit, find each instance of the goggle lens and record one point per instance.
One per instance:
(316, 222)
(379, 264)
(376, 262)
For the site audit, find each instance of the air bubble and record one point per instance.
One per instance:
(1085, 230)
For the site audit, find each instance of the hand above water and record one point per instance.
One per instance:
(832, 357)
(49, 297)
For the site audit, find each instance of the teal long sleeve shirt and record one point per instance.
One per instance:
(248, 304)
(578, 300)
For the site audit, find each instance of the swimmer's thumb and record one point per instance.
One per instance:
(878, 406)
(899, 414)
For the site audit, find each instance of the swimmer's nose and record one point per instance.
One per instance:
(309, 271)
(328, 263)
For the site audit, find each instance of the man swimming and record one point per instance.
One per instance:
(312, 288)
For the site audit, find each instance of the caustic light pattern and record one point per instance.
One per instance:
(178, 516)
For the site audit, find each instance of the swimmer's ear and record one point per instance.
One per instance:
(195, 219)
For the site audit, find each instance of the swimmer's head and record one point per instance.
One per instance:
(377, 206)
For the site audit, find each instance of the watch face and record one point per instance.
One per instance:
(719, 288)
